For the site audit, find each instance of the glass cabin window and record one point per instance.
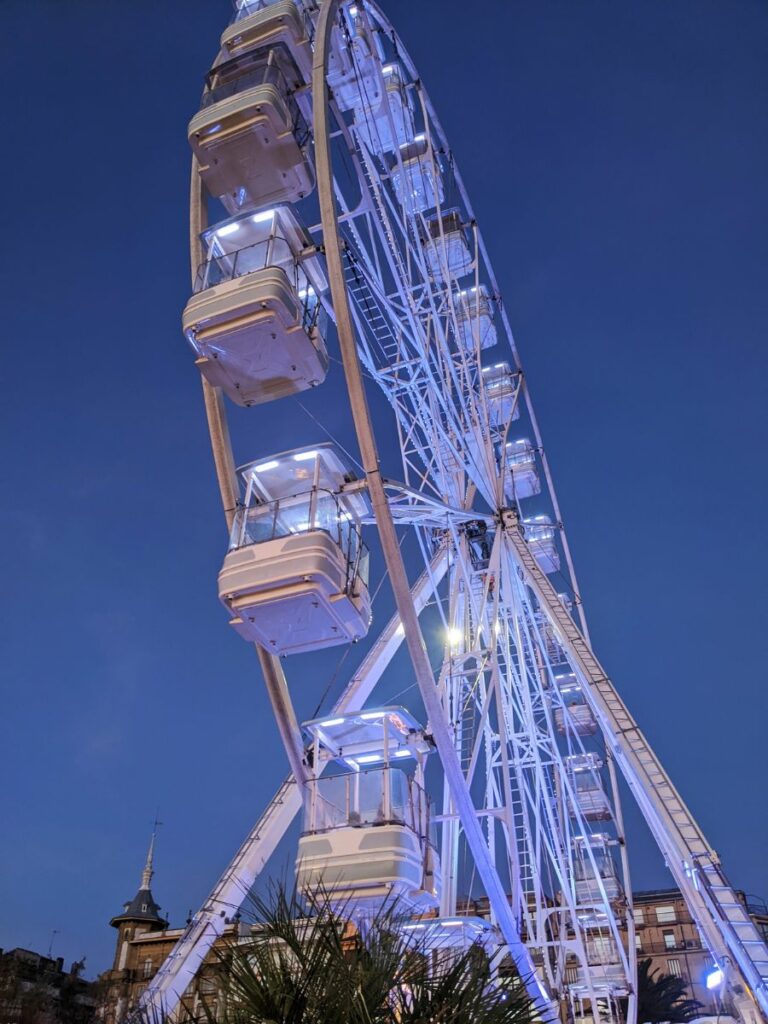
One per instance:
(359, 799)
(301, 513)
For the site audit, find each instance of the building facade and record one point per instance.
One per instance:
(35, 989)
(664, 933)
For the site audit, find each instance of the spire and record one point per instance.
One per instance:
(142, 908)
(148, 872)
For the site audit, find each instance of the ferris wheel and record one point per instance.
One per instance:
(328, 214)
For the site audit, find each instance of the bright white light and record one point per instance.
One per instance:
(452, 924)
(455, 636)
(353, 11)
(272, 464)
(368, 758)
(499, 366)
(400, 631)
(261, 218)
(370, 716)
(402, 753)
(715, 978)
(332, 721)
(304, 456)
(227, 229)
(413, 927)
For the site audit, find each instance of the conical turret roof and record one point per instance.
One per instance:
(142, 908)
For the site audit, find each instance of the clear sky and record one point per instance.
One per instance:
(617, 157)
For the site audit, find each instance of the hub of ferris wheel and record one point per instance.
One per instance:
(512, 783)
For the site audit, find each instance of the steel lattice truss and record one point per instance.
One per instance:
(536, 726)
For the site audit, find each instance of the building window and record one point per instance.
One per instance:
(665, 915)
(670, 942)
(147, 970)
(638, 942)
(673, 968)
(638, 915)
(143, 908)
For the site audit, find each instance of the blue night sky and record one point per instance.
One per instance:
(617, 157)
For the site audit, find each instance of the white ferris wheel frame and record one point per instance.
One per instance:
(694, 866)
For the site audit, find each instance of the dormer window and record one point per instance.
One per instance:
(143, 908)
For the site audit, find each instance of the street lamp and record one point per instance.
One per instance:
(714, 978)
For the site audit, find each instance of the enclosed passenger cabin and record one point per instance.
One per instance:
(255, 320)
(367, 830)
(249, 136)
(521, 477)
(474, 318)
(259, 25)
(577, 715)
(502, 396)
(605, 972)
(383, 116)
(445, 939)
(584, 773)
(605, 979)
(594, 870)
(354, 60)
(549, 635)
(416, 176)
(541, 538)
(452, 932)
(295, 577)
(445, 245)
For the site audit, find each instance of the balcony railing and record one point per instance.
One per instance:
(660, 948)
